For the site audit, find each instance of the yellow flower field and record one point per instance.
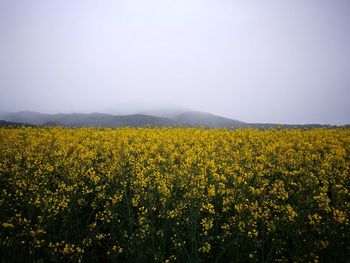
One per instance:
(174, 195)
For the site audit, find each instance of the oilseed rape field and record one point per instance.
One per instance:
(174, 195)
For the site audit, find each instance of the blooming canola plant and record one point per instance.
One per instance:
(174, 195)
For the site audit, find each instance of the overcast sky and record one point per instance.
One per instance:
(285, 61)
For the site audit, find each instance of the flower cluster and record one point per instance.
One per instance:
(174, 194)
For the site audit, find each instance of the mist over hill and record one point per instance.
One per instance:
(86, 119)
(208, 120)
(154, 118)
(104, 120)
(157, 110)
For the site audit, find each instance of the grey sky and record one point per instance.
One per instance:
(253, 60)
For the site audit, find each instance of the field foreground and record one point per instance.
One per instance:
(164, 195)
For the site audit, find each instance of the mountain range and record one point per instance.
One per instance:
(183, 119)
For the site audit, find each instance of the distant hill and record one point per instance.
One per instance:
(184, 119)
(28, 117)
(207, 120)
(11, 124)
(87, 120)
(165, 112)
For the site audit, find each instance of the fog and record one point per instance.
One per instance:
(252, 60)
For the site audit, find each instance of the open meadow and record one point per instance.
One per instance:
(174, 195)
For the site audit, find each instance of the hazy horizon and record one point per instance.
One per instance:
(251, 60)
